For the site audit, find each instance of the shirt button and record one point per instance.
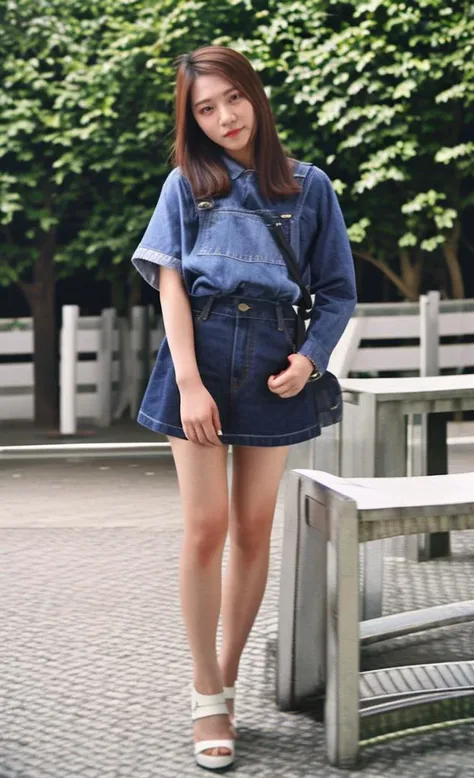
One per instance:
(243, 307)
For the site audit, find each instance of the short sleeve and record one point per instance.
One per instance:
(170, 230)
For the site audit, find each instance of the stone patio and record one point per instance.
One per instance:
(94, 669)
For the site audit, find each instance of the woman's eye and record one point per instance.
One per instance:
(235, 96)
(206, 109)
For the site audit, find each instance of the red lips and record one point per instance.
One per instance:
(232, 133)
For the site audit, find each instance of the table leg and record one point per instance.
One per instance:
(325, 450)
(389, 461)
(358, 457)
(437, 544)
(420, 548)
(358, 430)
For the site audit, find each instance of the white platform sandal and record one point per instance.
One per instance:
(211, 705)
(229, 694)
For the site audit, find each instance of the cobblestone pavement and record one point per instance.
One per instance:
(94, 670)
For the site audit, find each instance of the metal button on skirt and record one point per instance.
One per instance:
(239, 344)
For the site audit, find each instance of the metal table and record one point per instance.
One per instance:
(373, 442)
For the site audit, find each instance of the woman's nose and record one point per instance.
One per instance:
(226, 115)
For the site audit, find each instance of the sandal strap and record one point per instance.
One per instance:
(204, 705)
(204, 745)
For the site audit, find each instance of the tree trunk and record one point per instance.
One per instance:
(135, 287)
(398, 281)
(41, 296)
(451, 256)
(411, 275)
(118, 296)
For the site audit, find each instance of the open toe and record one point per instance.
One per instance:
(217, 753)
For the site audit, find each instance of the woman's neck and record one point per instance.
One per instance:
(243, 157)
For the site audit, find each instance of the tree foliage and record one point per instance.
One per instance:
(380, 94)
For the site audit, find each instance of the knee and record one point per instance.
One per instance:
(205, 535)
(252, 533)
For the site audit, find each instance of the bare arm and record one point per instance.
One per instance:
(199, 413)
(178, 326)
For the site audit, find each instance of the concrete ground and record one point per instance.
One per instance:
(94, 669)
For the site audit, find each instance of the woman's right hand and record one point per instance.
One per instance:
(199, 415)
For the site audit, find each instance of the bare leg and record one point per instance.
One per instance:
(256, 477)
(202, 477)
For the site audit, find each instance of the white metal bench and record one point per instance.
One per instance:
(320, 633)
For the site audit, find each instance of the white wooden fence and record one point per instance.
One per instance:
(108, 359)
(16, 378)
(96, 363)
(383, 339)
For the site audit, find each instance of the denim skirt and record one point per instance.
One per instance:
(239, 344)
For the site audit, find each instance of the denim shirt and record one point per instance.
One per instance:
(221, 247)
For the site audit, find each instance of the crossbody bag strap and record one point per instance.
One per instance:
(273, 222)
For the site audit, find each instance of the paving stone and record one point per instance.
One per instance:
(94, 668)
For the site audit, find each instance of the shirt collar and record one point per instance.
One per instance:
(234, 168)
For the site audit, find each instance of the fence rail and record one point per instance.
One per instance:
(388, 338)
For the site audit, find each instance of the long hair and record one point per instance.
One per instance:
(199, 158)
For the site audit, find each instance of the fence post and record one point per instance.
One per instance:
(139, 355)
(157, 336)
(429, 365)
(104, 366)
(67, 374)
(343, 355)
(429, 334)
(125, 367)
(422, 547)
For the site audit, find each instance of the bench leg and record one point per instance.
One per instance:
(342, 691)
(301, 664)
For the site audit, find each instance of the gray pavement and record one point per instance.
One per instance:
(24, 433)
(94, 670)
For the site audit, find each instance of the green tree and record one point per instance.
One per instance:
(43, 145)
(380, 94)
(86, 94)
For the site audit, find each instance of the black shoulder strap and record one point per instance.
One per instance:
(273, 223)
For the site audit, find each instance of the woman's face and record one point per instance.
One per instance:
(225, 115)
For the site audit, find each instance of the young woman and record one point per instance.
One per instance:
(228, 371)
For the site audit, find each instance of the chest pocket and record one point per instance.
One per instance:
(237, 235)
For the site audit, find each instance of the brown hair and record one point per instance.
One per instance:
(198, 157)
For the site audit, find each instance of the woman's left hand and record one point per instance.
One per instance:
(290, 382)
